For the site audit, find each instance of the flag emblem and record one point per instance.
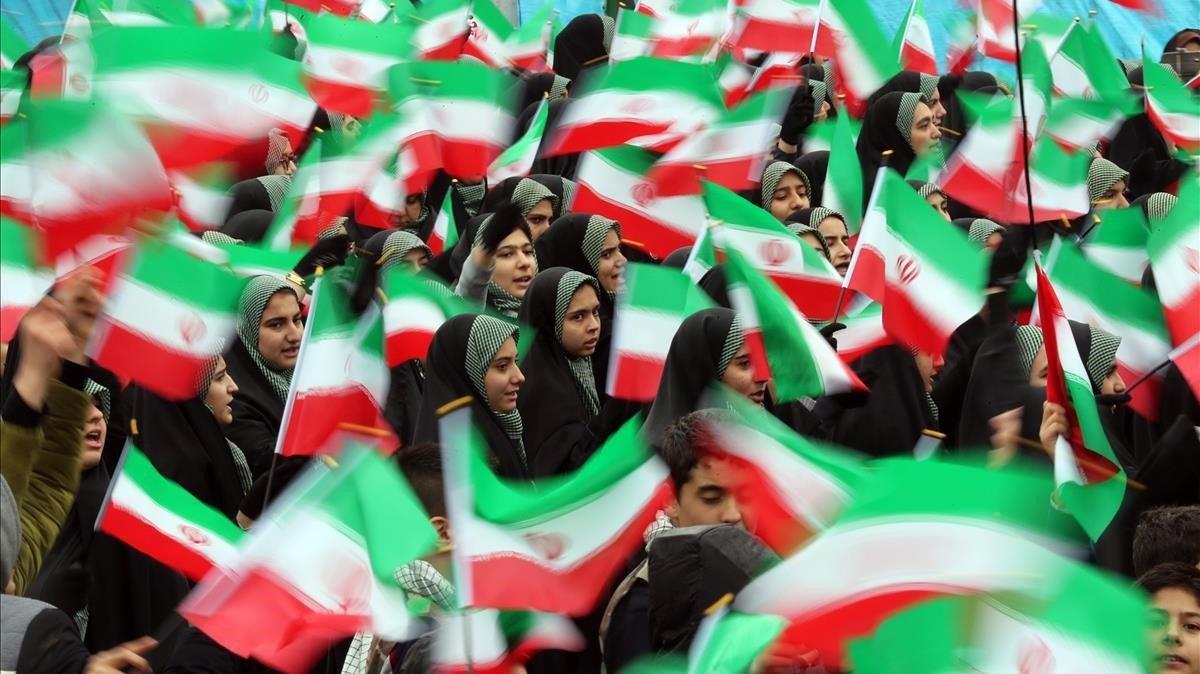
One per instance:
(907, 268)
(548, 545)
(191, 328)
(194, 535)
(259, 93)
(774, 252)
(1036, 657)
(643, 193)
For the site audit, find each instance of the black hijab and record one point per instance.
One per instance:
(716, 286)
(677, 258)
(561, 165)
(815, 165)
(534, 88)
(447, 380)
(556, 402)
(880, 132)
(702, 348)
(955, 120)
(249, 226)
(583, 42)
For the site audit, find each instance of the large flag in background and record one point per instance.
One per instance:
(1173, 107)
(861, 62)
(615, 183)
(928, 277)
(1091, 295)
(803, 274)
(915, 531)
(412, 312)
(650, 308)
(318, 566)
(763, 25)
(914, 44)
(161, 519)
(346, 62)
(1090, 483)
(553, 547)
(1174, 247)
(784, 347)
(169, 316)
(788, 488)
(341, 379)
(22, 283)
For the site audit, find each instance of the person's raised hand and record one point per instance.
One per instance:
(1054, 424)
(125, 657)
(45, 338)
(82, 302)
(1006, 431)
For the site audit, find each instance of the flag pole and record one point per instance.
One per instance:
(874, 196)
(1016, 27)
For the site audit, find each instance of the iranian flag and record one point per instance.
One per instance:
(764, 25)
(201, 94)
(528, 45)
(247, 261)
(12, 45)
(921, 530)
(1090, 483)
(1172, 107)
(803, 274)
(689, 29)
(788, 488)
(445, 230)
(161, 519)
(914, 43)
(960, 44)
(703, 255)
(729, 152)
(843, 176)
(517, 160)
(441, 29)
(22, 283)
(1094, 296)
(169, 315)
(640, 97)
(489, 29)
(928, 277)
(519, 546)
(346, 62)
(995, 27)
(731, 641)
(783, 345)
(861, 64)
(1078, 124)
(202, 197)
(79, 169)
(412, 313)
(1084, 67)
(864, 332)
(487, 641)
(12, 87)
(318, 566)
(614, 183)
(650, 308)
(1174, 250)
(341, 378)
(1118, 243)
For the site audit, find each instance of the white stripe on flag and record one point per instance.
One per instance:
(166, 319)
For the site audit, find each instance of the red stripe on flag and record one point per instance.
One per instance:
(10, 318)
(906, 322)
(468, 159)
(815, 297)
(766, 514)
(758, 353)
(870, 273)
(676, 179)
(635, 378)
(356, 101)
(1145, 398)
(145, 538)
(656, 237)
(1183, 318)
(130, 355)
(407, 344)
(601, 134)
(447, 51)
(915, 59)
(318, 417)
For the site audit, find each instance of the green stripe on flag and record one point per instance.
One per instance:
(1119, 301)
(172, 271)
(940, 243)
(647, 74)
(17, 243)
(137, 467)
(386, 39)
(731, 641)
(662, 289)
(453, 80)
(843, 181)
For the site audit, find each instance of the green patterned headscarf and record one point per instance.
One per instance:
(981, 229)
(253, 303)
(581, 368)
(928, 86)
(1102, 175)
(800, 229)
(276, 187)
(558, 87)
(215, 238)
(1102, 355)
(773, 173)
(1158, 207)
(101, 395)
(487, 335)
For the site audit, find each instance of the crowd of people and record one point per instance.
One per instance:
(78, 600)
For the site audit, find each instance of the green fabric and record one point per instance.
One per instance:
(1102, 175)
(581, 368)
(773, 173)
(1029, 342)
(593, 239)
(251, 306)
(904, 116)
(1101, 356)
(487, 335)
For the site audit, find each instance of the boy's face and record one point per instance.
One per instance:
(1175, 624)
(706, 497)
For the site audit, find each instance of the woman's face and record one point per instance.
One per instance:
(581, 324)
(611, 271)
(95, 430)
(928, 365)
(939, 203)
(923, 134)
(1114, 197)
(280, 330)
(538, 218)
(1039, 370)
(287, 162)
(503, 378)
(790, 195)
(515, 264)
(1113, 383)
(813, 242)
(412, 211)
(220, 394)
(936, 107)
(740, 377)
(838, 240)
(415, 259)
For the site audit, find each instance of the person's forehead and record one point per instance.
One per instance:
(1177, 600)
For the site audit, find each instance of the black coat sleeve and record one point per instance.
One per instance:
(52, 646)
(895, 412)
(254, 434)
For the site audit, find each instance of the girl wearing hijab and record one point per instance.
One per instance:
(534, 88)
(261, 360)
(537, 205)
(954, 122)
(476, 355)
(1107, 184)
(902, 123)
(560, 165)
(814, 165)
(826, 228)
(921, 83)
(1156, 207)
(561, 189)
(785, 189)
(708, 347)
(502, 264)
(981, 231)
(402, 248)
(583, 44)
(934, 196)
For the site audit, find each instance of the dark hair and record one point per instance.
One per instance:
(505, 220)
(422, 467)
(684, 442)
(1172, 575)
(1166, 535)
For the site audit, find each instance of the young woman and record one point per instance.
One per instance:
(934, 196)
(1107, 184)
(261, 360)
(826, 231)
(501, 264)
(902, 123)
(785, 189)
(476, 355)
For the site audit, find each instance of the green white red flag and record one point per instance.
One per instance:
(12, 45)
(944, 529)
(318, 566)
(445, 229)
(487, 641)
(1118, 243)
(764, 25)
(12, 87)
(864, 332)
(555, 550)
(641, 97)
(202, 198)
(862, 65)
(441, 29)
(1084, 67)
(1094, 296)
(788, 488)
(843, 181)
(914, 43)
(527, 47)
(803, 274)
(615, 183)
(650, 308)
(382, 202)
(517, 160)
(994, 23)
(161, 519)
(489, 29)
(1174, 249)
(960, 44)
(731, 641)
(1172, 107)
(341, 379)
(22, 282)
(168, 316)
(412, 313)
(727, 152)
(1089, 481)
(689, 29)
(346, 62)
(928, 277)
(784, 347)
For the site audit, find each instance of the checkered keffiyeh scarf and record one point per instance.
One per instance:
(487, 335)
(528, 193)
(593, 239)
(581, 368)
(904, 115)
(733, 341)
(773, 173)
(1029, 342)
(1102, 175)
(251, 306)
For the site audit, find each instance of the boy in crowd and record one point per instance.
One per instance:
(1174, 590)
(1167, 535)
